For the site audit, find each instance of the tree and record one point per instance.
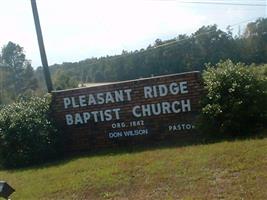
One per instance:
(183, 53)
(14, 58)
(4, 93)
(236, 98)
(213, 44)
(63, 80)
(255, 41)
(19, 79)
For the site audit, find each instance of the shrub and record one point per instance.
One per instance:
(27, 133)
(236, 98)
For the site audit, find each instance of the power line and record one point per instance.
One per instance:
(222, 3)
(225, 1)
(181, 40)
(242, 22)
(218, 1)
(165, 44)
(215, 0)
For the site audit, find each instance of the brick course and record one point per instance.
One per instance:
(96, 134)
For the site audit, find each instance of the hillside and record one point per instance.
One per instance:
(223, 170)
(208, 44)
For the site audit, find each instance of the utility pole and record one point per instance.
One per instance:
(41, 46)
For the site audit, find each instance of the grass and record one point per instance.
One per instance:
(222, 170)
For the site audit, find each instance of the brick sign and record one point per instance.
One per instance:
(128, 112)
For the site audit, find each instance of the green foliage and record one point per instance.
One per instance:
(235, 100)
(28, 134)
(16, 74)
(63, 81)
(255, 41)
(183, 53)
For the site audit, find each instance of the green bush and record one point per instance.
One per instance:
(27, 133)
(236, 98)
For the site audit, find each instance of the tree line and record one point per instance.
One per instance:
(183, 53)
(17, 77)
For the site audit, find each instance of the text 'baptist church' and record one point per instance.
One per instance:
(111, 97)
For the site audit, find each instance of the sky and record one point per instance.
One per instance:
(74, 30)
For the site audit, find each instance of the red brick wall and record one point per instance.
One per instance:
(89, 133)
